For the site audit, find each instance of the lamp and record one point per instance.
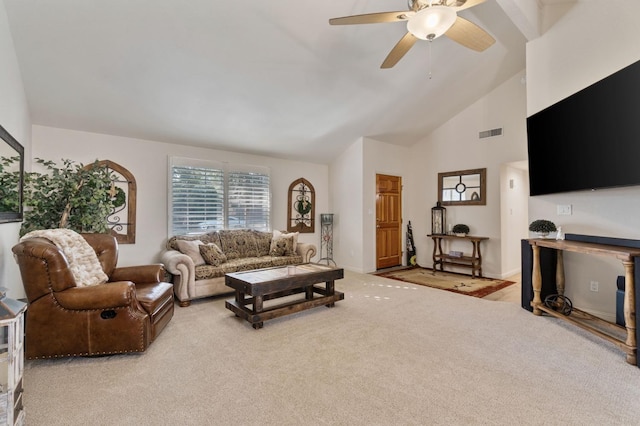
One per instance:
(431, 22)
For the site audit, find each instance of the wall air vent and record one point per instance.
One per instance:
(491, 133)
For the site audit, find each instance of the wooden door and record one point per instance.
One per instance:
(388, 221)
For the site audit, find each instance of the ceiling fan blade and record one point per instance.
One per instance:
(399, 50)
(371, 18)
(470, 35)
(468, 4)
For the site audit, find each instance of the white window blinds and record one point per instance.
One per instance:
(249, 200)
(212, 195)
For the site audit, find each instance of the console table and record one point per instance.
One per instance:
(593, 324)
(474, 262)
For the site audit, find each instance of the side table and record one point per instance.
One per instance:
(474, 262)
(11, 360)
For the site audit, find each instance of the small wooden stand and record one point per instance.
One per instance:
(474, 262)
(595, 325)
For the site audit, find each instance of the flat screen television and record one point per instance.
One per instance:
(589, 140)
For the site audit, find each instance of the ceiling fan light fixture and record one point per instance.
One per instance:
(432, 22)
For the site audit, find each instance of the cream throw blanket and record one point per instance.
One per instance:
(83, 261)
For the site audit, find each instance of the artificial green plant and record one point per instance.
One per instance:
(9, 184)
(69, 196)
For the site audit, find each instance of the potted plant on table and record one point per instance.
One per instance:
(460, 229)
(542, 227)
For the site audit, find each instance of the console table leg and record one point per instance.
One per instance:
(536, 281)
(435, 248)
(630, 311)
(477, 254)
(560, 273)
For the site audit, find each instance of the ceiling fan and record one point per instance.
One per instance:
(427, 20)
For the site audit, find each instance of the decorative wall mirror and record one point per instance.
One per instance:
(11, 178)
(463, 188)
(302, 207)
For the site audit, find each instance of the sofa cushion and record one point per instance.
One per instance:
(238, 243)
(250, 263)
(212, 254)
(263, 242)
(191, 249)
(286, 260)
(282, 246)
(204, 272)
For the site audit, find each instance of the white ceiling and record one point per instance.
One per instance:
(270, 77)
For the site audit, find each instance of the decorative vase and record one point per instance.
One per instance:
(542, 234)
(460, 234)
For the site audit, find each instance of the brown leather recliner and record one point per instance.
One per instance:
(123, 315)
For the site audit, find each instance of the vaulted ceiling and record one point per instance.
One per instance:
(269, 77)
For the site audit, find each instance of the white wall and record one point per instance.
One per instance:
(514, 201)
(14, 117)
(148, 162)
(585, 42)
(353, 195)
(456, 146)
(345, 177)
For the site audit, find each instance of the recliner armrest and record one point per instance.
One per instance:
(102, 296)
(139, 274)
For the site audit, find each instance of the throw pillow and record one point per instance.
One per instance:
(212, 254)
(191, 249)
(278, 234)
(282, 246)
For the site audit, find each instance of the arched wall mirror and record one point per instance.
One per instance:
(463, 188)
(11, 178)
(122, 219)
(302, 207)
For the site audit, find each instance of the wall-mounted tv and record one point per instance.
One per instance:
(589, 140)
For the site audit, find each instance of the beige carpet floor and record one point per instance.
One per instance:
(390, 353)
(457, 283)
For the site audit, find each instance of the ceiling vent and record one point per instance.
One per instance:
(491, 133)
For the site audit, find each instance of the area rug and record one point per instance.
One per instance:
(457, 283)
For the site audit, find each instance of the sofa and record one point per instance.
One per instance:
(198, 263)
(70, 313)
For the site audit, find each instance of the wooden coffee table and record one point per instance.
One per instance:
(254, 287)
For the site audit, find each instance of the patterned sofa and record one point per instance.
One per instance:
(198, 262)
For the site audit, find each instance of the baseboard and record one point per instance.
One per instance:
(505, 275)
(353, 269)
(607, 316)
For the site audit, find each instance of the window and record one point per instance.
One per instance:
(208, 195)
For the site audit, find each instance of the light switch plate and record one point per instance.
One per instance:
(564, 209)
